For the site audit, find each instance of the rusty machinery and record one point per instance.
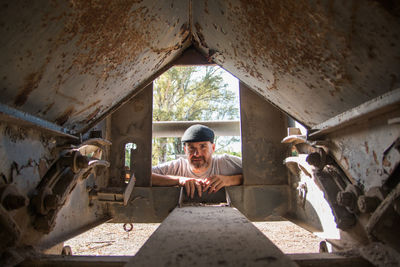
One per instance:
(76, 88)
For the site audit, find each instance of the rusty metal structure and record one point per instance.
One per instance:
(76, 87)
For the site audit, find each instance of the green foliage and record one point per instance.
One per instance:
(225, 144)
(190, 94)
(128, 150)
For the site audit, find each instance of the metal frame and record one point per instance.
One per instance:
(177, 128)
(303, 259)
(222, 235)
(263, 127)
(382, 104)
(16, 116)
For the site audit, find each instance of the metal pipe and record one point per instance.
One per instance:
(177, 128)
(16, 116)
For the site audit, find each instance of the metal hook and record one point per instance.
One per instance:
(126, 229)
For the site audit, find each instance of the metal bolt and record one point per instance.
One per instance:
(51, 202)
(367, 204)
(345, 222)
(42, 224)
(13, 202)
(66, 250)
(96, 134)
(346, 199)
(323, 247)
(315, 160)
(82, 162)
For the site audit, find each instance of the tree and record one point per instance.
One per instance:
(189, 94)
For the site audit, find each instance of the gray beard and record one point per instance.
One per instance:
(200, 164)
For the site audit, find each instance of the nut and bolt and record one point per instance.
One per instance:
(346, 199)
(323, 247)
(42, 224)
(345, 222)
(13, 202)
(367, 204)
(51, 202)
(66, 250)
(82, 162)
(315, 160)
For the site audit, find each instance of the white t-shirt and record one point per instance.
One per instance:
(221, 164)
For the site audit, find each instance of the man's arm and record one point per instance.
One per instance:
(216, 182)
(190, 184)
(164, 180)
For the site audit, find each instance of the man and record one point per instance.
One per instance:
(201, 170)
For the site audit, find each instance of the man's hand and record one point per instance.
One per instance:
(216, 182)
(191, 184)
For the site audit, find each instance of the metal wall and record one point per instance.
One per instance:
(70, 62)
(73, 62)
(312, 59)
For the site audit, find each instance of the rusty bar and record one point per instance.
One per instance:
(384, 103)
(10, 114)
(303, 259)
(81, 261)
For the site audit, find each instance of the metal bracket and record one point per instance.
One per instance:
(13, 115)
(206, 199)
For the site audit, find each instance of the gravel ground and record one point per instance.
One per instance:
(111, 239)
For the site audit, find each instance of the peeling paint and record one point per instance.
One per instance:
(200, 35)
(93, 114)
(375, 157)
(366, 147)
(88, 107)
(108, 32)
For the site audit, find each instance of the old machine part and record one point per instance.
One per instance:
(76, 125)
(62, 177)
(220, 198)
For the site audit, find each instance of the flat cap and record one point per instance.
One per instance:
(198, 133)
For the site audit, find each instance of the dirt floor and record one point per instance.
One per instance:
(111, 239)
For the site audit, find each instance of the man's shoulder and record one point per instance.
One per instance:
(226, 164)
(173, 167)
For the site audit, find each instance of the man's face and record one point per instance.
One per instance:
(199, 154)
